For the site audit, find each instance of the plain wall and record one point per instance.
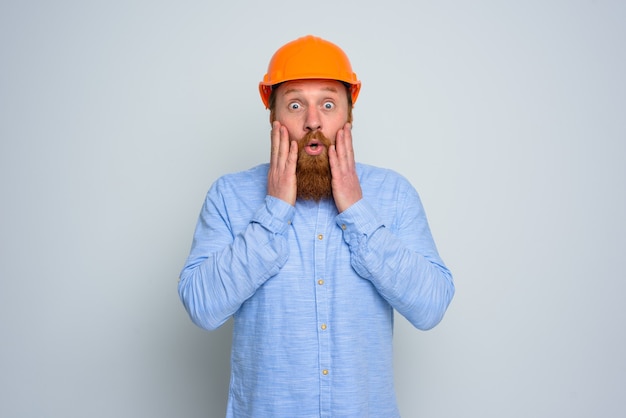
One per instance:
(508, 117)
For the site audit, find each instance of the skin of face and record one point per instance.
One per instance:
(303, 106)
(304, 112)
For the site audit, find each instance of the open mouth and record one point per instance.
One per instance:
(314, 147)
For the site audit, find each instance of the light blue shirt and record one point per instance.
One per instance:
(313, 292)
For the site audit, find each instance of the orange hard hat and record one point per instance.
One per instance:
(308, 57)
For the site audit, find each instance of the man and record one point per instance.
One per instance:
(311, 254)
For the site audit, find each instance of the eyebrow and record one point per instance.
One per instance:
(331, 89)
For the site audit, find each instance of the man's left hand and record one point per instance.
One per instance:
(345, 182)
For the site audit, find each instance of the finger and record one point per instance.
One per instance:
(292, 158)
(345, 153)
(280, 146)
(283, 147)
(290, 147)
(332, 157)
(275, 143)
(333, 153)
(347, 135)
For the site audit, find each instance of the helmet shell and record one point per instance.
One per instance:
(309, 57)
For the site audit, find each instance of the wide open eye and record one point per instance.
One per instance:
(294, 106)
(329, 105)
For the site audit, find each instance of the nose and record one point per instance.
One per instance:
(313, 121)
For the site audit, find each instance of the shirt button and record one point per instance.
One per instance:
(320, 282)
(324, 372)
(320, 237)
(323, 326)
(343, 226)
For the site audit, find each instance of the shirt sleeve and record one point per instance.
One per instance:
(225, 268)
(403, 265)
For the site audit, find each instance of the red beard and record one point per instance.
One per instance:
(313, 171)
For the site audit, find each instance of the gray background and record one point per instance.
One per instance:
(508, 117)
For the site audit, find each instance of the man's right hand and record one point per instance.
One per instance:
(281, 178)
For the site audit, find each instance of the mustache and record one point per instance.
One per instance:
(314, 135)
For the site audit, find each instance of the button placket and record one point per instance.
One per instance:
(326, 214)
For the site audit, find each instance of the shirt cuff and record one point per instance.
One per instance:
(357, 222)
(275, 215)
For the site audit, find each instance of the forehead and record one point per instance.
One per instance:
(295, 87)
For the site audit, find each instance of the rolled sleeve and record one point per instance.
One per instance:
(275, 215)
(358, 222)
